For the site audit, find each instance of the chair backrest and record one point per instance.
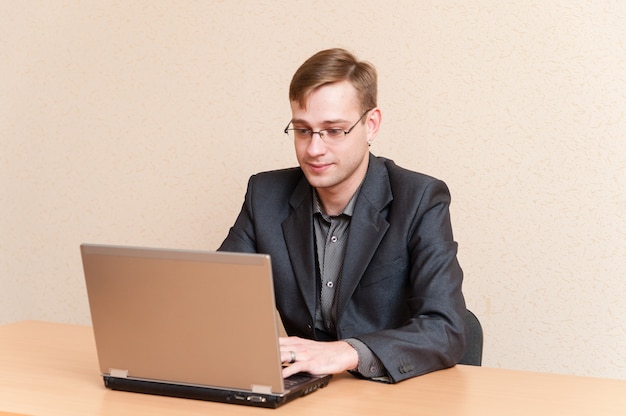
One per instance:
(474, 341)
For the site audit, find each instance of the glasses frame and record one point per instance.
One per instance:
(322, 132)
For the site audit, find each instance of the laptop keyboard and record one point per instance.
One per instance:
(295, 380)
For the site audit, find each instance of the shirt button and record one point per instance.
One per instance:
(330, 284)
(334, 238)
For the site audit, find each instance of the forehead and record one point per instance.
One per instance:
(336, 101)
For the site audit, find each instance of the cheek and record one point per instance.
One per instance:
(355, 149)
(300, 151)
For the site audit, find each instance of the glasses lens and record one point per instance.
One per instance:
(299, 134)
(334, 134)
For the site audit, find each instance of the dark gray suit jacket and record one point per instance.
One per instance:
(400, 291)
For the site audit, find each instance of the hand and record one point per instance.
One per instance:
(316, 357)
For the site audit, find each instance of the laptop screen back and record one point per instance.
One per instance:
(184, 317)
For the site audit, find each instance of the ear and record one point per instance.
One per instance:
(373, 121)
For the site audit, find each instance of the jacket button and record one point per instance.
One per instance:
(406, 368)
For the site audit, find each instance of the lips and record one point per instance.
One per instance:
(318, 167)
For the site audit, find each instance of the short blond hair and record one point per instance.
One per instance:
(335, 65)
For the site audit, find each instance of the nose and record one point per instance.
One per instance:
(316, 145)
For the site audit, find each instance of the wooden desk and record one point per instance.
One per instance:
(51, 369)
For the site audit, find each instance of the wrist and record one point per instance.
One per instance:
(356, 358)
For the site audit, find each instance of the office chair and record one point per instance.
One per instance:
(474, 341)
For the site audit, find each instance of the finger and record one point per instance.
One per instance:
(288, 356)
(289, 341)
(293, 369)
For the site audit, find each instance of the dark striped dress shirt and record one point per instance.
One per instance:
(331, 237)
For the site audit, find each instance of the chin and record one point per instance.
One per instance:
(318, 181)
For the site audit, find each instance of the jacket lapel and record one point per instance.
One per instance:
(367, 228)
(298, 232)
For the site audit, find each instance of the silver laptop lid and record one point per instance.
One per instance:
(184, 317)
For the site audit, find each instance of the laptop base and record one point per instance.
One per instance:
(210, 394)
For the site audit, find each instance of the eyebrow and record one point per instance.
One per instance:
(324, 123)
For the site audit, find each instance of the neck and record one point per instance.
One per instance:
(333, 204)
(335, 199)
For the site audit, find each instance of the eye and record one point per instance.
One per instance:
(334, 133)
(302, 132)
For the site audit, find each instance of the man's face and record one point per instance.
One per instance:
(338, 166)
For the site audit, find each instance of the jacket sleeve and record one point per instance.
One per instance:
(241, 236)
(432, 336)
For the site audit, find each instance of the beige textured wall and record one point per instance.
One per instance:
(139, 122)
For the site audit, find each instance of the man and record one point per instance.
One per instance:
(364, 261)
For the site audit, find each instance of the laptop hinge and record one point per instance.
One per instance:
(114, 372)
(258, 388)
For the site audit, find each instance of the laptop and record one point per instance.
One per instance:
(191, 324)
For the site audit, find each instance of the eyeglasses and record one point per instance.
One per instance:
(327, 135)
